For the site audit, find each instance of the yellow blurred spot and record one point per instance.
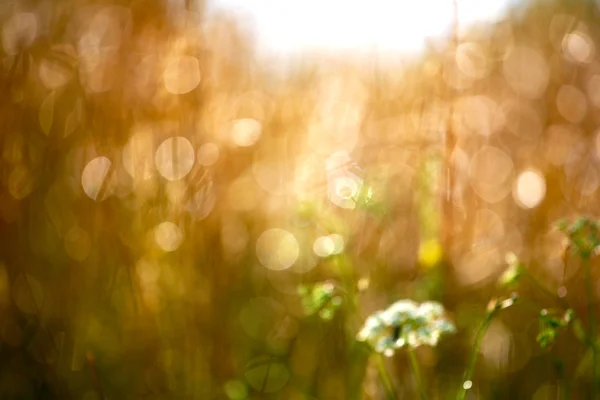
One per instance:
(93, 176)
(578, 47)
(168, 236)
(138, 159)
(430, 253)
(571, 103)
(530, 189)
(338, 243)
(182, 75)
(175, 158)
(527, 72)
(19, 31)
(245, 132)
(363, 284)
(53, 75)
(491, 171)
(323, 246)
(277, 249)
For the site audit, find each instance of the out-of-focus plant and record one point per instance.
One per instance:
(551, 324)
(322, 298)
(406, 324)
(494, 307)
(584, 240)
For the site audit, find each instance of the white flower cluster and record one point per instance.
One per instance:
(405, 323)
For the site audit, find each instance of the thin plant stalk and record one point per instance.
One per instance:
(468, 375)
(592, 324)
(414, 366)
(562, 386)
(384, 375)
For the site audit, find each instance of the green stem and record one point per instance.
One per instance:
(562, 386)
(468, 375)
(592, 324)
(414, 365)
(384, 375)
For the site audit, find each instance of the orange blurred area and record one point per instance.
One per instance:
(165, 192)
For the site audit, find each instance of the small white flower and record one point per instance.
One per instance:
(431, 309)
(412, 325)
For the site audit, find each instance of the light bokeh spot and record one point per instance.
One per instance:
(168, 236)
(94, 176)
(245, 132)
(530, 189)
(182, 75)
(53, 74)
(175, 158)
(19, 32)
(523, 120)
(235, 390)
(491, 171)
(578, 47)
(496, 346)
(471, 60)
(267, 376)
(338, 243)
(277, 249)
(479, 114)
(526, 72)
(561, 141)
(323, 246)
(571, 103)
(138, 153)
(343, 180)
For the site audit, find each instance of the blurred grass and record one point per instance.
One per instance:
(99, 298)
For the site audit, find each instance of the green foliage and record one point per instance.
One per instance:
(551, 324)
(322, 298)
(583, 234)
(512, 274)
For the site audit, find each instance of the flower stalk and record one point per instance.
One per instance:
(414, 365)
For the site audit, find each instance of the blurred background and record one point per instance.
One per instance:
(172, 171)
